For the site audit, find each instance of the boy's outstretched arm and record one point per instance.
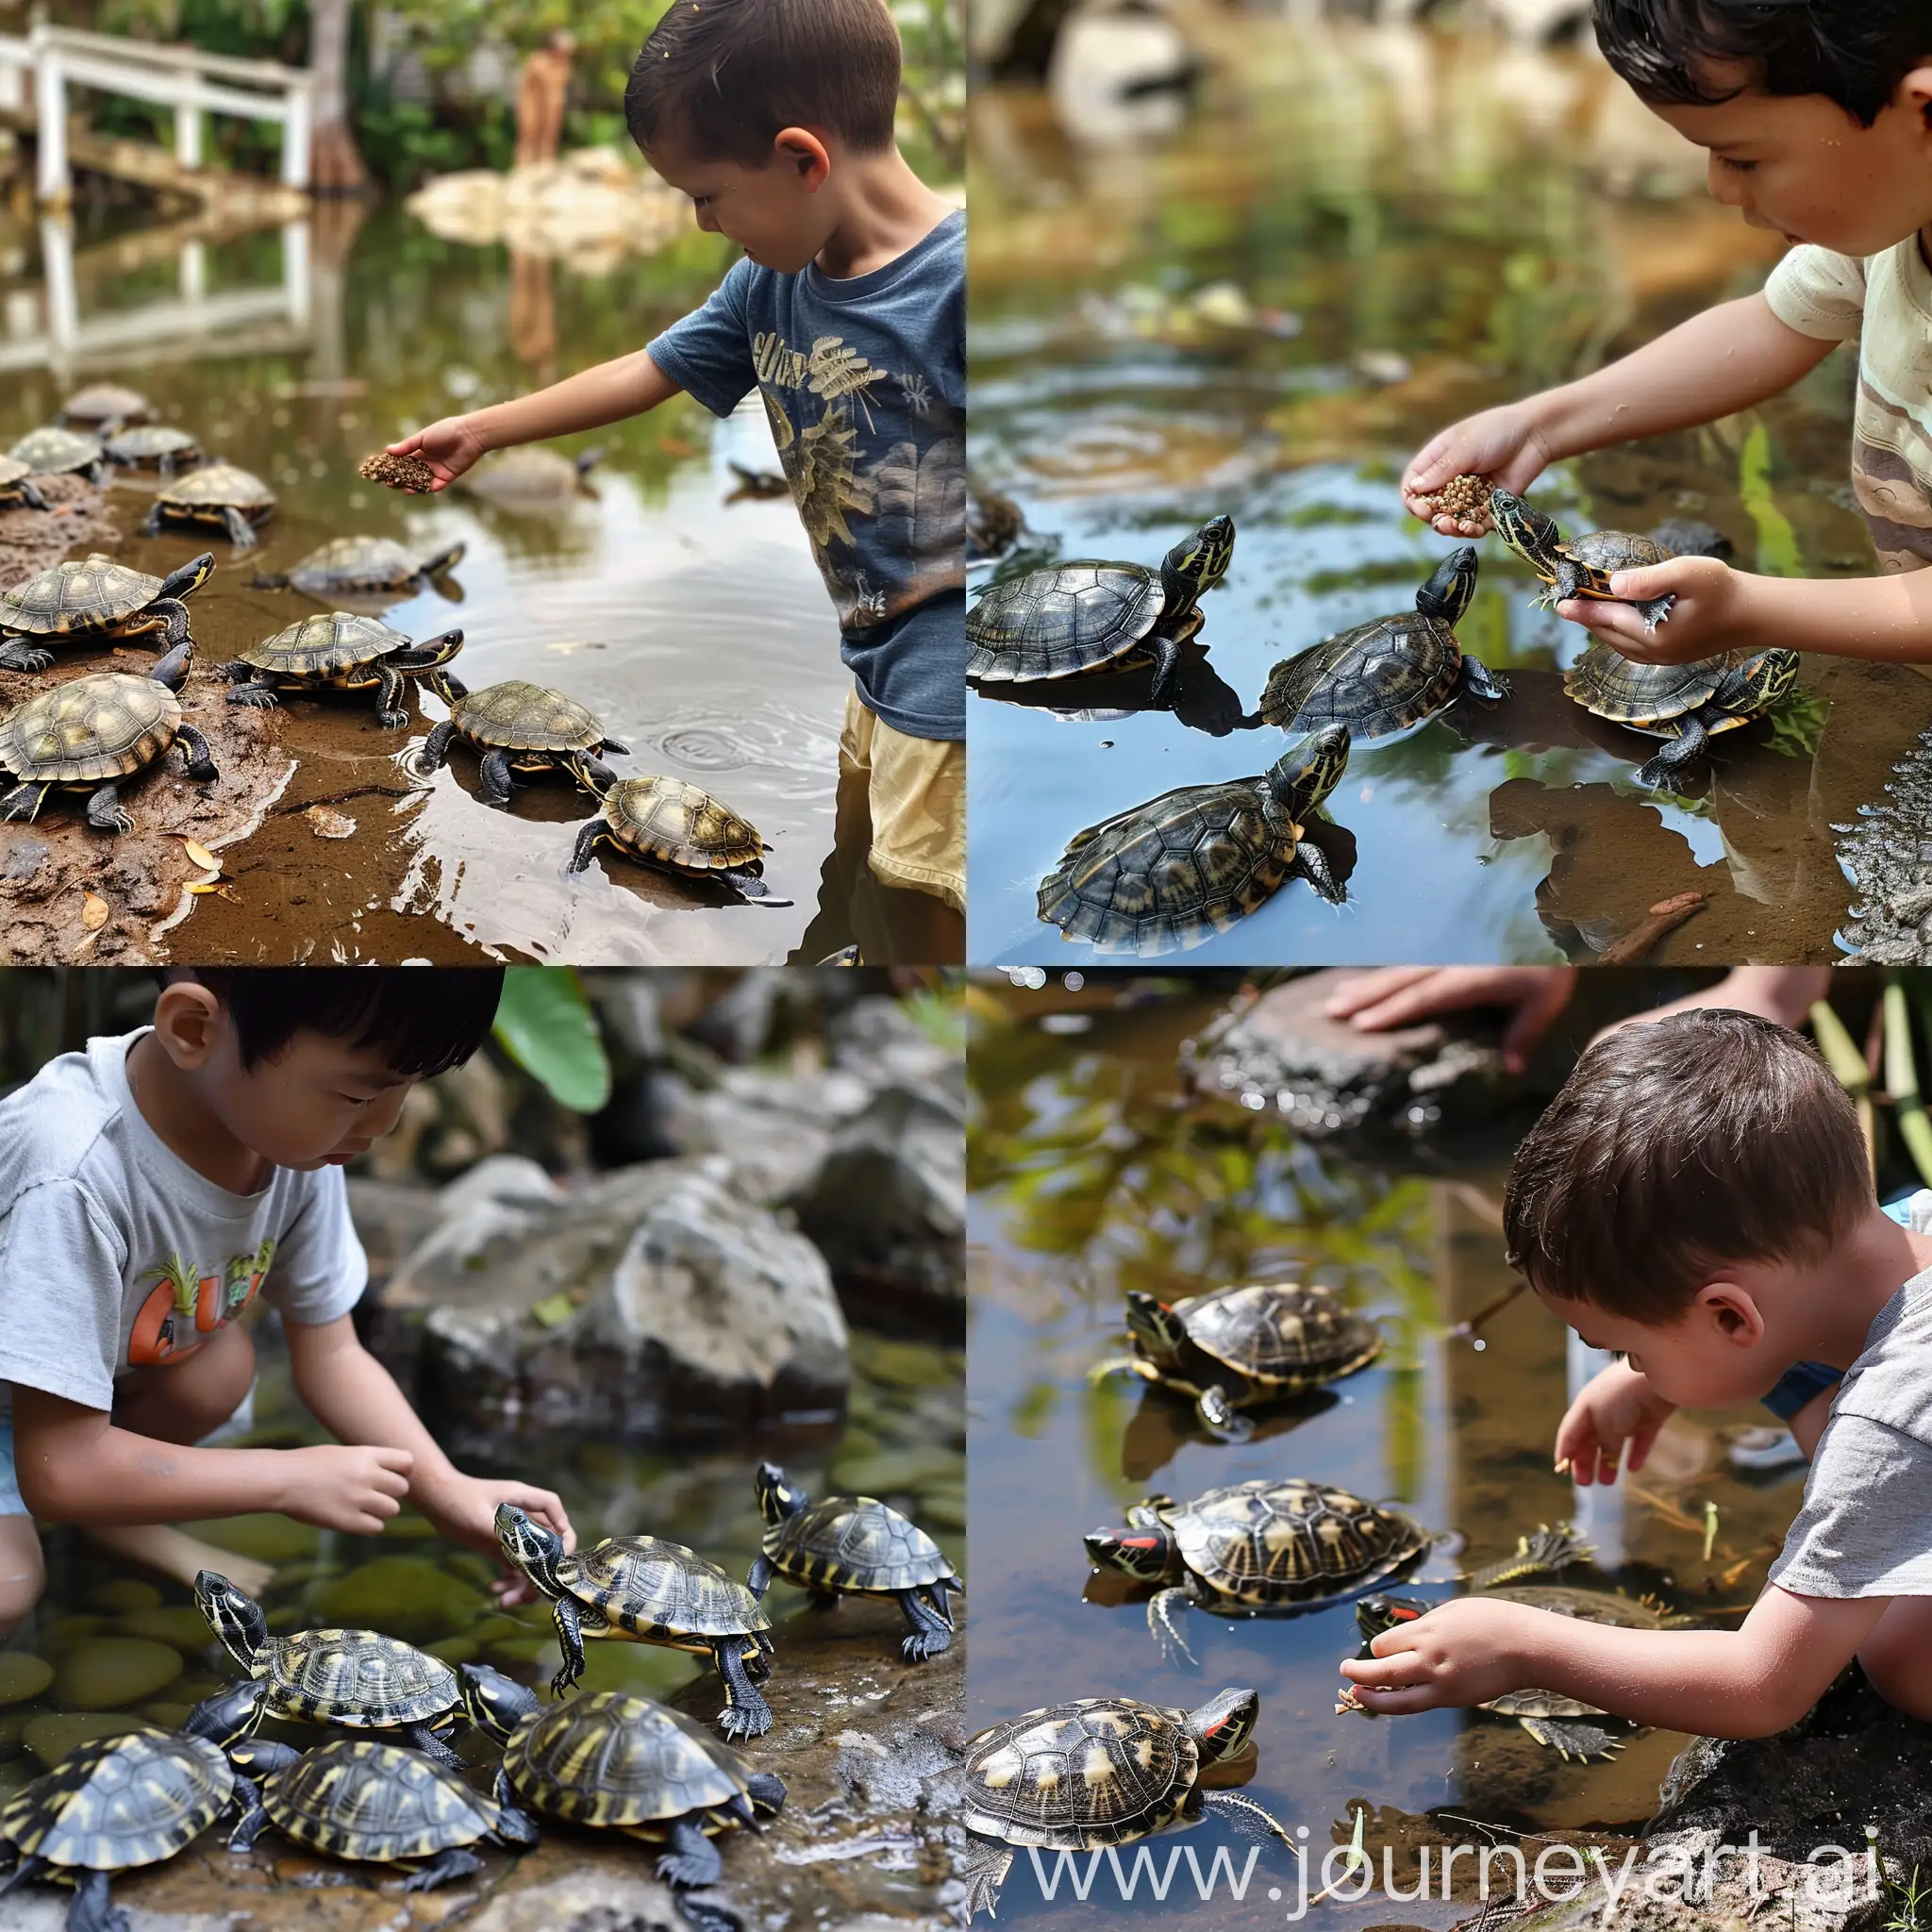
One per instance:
(625, 386)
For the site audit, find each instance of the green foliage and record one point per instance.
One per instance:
(1777, 543)
(1797, 725)
(546, 1026)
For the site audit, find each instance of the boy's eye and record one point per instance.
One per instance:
(354, 1100)
(1736, 166)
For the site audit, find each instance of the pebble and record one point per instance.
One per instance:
(120, 1593)
(402, 1596)
(180, 1624)
(899, 1474)
(455, 1650)
(23, 1675)
(267, 1536)
(109, 1671)
(645, 1670)
(51, 1734)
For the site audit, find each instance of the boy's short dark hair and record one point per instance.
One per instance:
(722, 78)
(1854, 51)
(1675, 1148)
(418, 1019)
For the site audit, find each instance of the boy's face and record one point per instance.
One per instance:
(777, 213)
(1803, 168)
(319, 1103)
(1718, 1355)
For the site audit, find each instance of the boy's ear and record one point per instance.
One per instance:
(806, 155)
(1737, 1315)
(186, 1017)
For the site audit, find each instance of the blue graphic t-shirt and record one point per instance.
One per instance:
(864, 381)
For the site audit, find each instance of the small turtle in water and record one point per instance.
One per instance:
(1097, 1771)
(643, 1590)
(1390, 674)
(1071, 618)
(530, 478)
(524, 729)
(1194, 862)
(103, 407)
(93, 599)
(357, 1798)
(358, 566)
(756, 484)
(1254, 1548)
(1581, 566)
(340, 651)
(55, 452)
(857, 1545)
(669, 822)
(17, 488)
(153, 446)
(993, 524)
(1236, 1347)
(221, 496)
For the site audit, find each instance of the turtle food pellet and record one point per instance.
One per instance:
(398, 473)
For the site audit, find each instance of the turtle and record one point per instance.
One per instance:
(1231, 1347)
(1071, 618)
(339, 650)
(356, 1678)
(95, 598)
(103, 407)
(91, 732)
(221, 494)
(1096, 1772)
(17, 488)
(993, 524)
(51, 451)
(1687, 704)
(1195, 860)
(647, 1590)
(363, 1799)
(530, 478)
(1254, 1548)
(670, 824)
(854, 1545)
(1578, 567)
(756, 484)
(356, 566)
(1385, 676)
(153, 446)
(114, 1804)
(522, 727)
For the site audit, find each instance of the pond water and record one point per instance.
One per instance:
(1262, 307)
(1091, 1173)
(696, 627)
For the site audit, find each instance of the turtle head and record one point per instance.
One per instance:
(1769, 676)
(1376, 1614)
(237, 1620)
(1305, 774)
(766, 1792)
(778, 1499)
(189, 577)
(1148, 1556)
(432, 653)
(1450, 587)
(230, 1715)
(1224, 1723)
(1199, 562)
(496, 1704)
(532, 1548)
(1153, 1324)
(1533, 536)
(516, 1831)
(436, 562)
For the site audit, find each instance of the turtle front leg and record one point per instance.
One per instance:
(93, 1909)
(693, 1860)
(459, 1861)
(929, 1634)
(32, 1866)
(1685, 749)
(388, 693)
(31, 496)
(259, 691)
(937, 1594)
(1162, 1611)
(495, 783)
(588, 841)
(104, 813)
(17, 655)
(1311, 862)
(240, 531)
(425, 1739)
(21, 803)
(254, 1819)
(758, 1578)
(749, 886)
(1484, 682)
(563, 1613)
(985, 1868)
(200, 758)
(173, 626)
(1580, 1742)
(745, 1714)
(151, 525)
(1219, 1416)
(1167, 664)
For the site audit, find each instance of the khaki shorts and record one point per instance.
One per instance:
(916, 790)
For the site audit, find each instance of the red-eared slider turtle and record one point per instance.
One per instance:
(16, 485)
(339, 650)
(1233, 1347)
(1096, 1772)
(1580, 566)
(91, 732)
(1192, 862)
(1254, 1548)
(356, 1678)
(622, 1763)
(94, 598)
(855, 1544)
(115, 1804)
(646, 1590)
(103, 407)
(669, 822)
(56, 452)
(1688, 704)
(525, 728)
(1077, 617)
(153, 446)
(356, 1798)
(1387, 675)
(223, 496)
(529, 478)
(361, 566)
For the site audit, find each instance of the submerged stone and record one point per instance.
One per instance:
(51, 1734)
(23, 1675)
(110, 1672)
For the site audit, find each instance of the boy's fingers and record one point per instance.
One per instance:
(401, 1461)
(1397, 1703)
(1393, 1642)
(1365, 990)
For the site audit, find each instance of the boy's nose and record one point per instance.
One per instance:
(383, 1111)
(1724, 184)
(707, 220)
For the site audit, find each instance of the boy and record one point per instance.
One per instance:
(1696, 1198)
(150, 1187)
(848, 315)
(1818, 117)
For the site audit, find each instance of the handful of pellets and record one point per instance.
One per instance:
(398, 473)
(1465, 498)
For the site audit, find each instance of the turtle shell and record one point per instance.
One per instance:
(516, 716)
(854, 1542)
(1097, 1771)
(356, 563)
(149, 443)
(89, 728)
(1264, 1543)
(533, 476)
(324, 645)
(1608, 550)
(216, 487)
(12, 470)
(83, 594)
(671, 820)
(355, 1798)
(106, 401)
(121, 1802)
(609, 1759)
(51, 451)
(1279, 1334)
(1617, 688)
(659, 1589)
(1587, 1606)
(1376, 678)
(1060, 622)
(355, 1677)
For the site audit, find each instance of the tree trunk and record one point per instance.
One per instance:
(336, 167)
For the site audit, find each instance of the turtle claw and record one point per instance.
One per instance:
(394, 721)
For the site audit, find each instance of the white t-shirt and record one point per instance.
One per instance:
(115, 1254)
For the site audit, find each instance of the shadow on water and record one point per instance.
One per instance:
(1091, 1173)
(1360, 235)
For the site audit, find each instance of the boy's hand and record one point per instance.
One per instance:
(1503, 445)
(1617, 1406)
(1706, 619)
(464, 1509)
(449, 447)
(1462, 1652)
(354, 1488)
(1393, 996)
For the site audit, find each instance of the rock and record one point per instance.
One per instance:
(51, 1734)
(124, 1593)
(401, 1596)
(268, 1537)
(107, 1673)
(392, 1217)
(776, 1127)
(879, 1039)
(586, 208)
(23, 1675)
(180, 1624)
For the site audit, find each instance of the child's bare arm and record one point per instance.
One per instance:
(625, 386)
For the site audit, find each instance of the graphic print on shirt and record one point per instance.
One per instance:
(188, 1303)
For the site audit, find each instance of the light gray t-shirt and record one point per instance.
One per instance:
(115, 1254)
(1865, 1529)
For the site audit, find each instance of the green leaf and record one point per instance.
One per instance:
(1777, 543)
(545, 1024)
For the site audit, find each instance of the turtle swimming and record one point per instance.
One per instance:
(523, 729)
(340, 651)
(1071, 618)
(223, 496)
(94, 598)
(671, 824)
(1579, 566)
(362, 566)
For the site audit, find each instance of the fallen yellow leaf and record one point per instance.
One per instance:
(201, 886)
(199, 854)
(94, 915)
